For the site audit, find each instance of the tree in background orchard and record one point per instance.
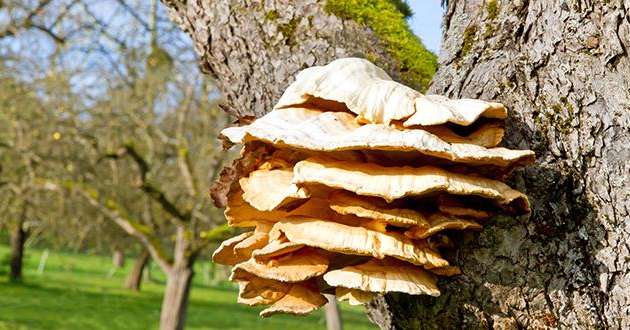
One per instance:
(29, 131)
(139, 143)
(159, 162)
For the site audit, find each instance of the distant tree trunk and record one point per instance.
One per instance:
(333, 314)
(17, 239)
(175, 302)
(561, 67)
(42, 262)
(178, 281)
(118, 258)
(134, 279)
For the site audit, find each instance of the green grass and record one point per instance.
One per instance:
(75, 293)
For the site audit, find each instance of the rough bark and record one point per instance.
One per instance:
(255, 48)
(134, 278)
(562, 67)
(17, 239)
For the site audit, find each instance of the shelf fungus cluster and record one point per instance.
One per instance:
(352, 185)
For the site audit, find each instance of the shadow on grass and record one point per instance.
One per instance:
(39, 306)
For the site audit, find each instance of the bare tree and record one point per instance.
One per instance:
(25, 15)
(137, 140)
(163, 169)
(160, 160)
(562, 67)
(28, 126)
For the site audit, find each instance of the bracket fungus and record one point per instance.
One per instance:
(354, 183)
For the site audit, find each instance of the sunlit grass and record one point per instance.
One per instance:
(74, 292)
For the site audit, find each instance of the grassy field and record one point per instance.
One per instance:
(75, 292)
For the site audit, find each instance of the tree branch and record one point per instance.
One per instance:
(28, 22)
(214, 235)
(183, 159)
(151, 190)
(114, 211)
(135, 15)
(49, 32)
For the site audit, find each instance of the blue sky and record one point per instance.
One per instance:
(427, 21)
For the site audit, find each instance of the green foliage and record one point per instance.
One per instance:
(403, 7)
(417, 64)
(219, 233)
(75, 293)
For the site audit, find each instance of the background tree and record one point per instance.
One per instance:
(562, 67)
(136, 147)
(30, 126)
(151, 169)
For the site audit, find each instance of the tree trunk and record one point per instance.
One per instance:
(17, 240)
(175, 302)
(42, 262)
(562, 68)
(118, 258)
(178, 280)
(134, 279)
(333, 314)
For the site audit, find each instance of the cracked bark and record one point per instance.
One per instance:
(563, 69)
(255, 48)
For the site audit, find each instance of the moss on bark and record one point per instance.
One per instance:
(416, 64)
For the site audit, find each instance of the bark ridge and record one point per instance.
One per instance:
(562, 68)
